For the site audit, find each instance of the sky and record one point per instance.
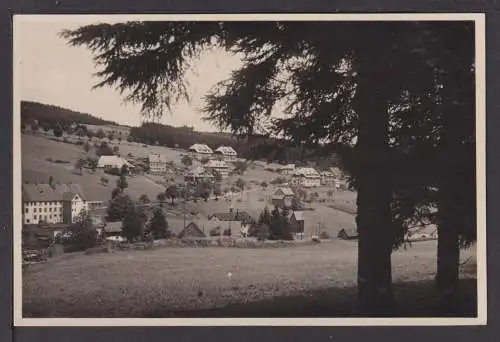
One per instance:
(52, 72)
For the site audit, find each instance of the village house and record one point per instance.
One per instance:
(52, 203)
(327, 178)
(111, 162)
(227, 153)
(297, 224)
(112, 231)
(198, 175)
(237, 222)
(200, 151)
(157, 163)
(306, 177)
(282, 197)
(287, 170)
(196, 228)
(219, 167)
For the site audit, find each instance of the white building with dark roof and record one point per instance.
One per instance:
(110, 162)
(282, 197)
(157, 163)
(200, 151)
(227, 152)
(56, 203)
(306, 177)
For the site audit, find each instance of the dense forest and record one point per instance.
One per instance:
(258, 148)
(48, 115)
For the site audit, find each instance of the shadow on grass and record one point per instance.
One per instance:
(412, 299)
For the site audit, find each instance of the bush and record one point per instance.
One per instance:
(278, 180)
(324, 235)
(113, 171)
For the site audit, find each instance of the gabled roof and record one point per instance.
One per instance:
(306, 172)
(226, 150)
(112, 160)
(327, 174)
(201, 148)
(46, 193)
(176, 225)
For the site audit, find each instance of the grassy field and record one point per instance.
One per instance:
(35, 167)
(216, 281)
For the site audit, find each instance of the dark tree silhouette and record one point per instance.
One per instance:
(335, 97)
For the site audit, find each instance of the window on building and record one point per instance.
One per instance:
(27, 220)
(34, 210)
(26, 210)
(45, 217)
(44, 210)
(35, 217)
(50, 209)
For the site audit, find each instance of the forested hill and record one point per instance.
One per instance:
(263, 148)
(48, 114)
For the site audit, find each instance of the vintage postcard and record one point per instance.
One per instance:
(324, 169)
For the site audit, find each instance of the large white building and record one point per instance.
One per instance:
(56, 203)
(200, 151)
(157, 163)
(227, 153)
(219, 167)
(110, 162)
(306, 177)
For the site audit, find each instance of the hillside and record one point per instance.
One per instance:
(45, 113)
(257, 148)
(37, 167)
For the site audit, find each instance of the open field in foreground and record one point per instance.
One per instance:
(317, 280)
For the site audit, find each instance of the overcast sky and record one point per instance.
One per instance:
(53, 72)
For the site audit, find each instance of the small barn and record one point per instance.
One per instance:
(194, 229)
(282, 197)
(297, 223)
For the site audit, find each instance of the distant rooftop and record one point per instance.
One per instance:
(226, 150)
(46, 193)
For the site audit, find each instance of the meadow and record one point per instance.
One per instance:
(312, 280)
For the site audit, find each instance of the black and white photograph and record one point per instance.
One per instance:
(249, 169)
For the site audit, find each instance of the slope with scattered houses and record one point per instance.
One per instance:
(49, 166)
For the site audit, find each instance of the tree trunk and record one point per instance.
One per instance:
(373, 220)
(448, 257)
